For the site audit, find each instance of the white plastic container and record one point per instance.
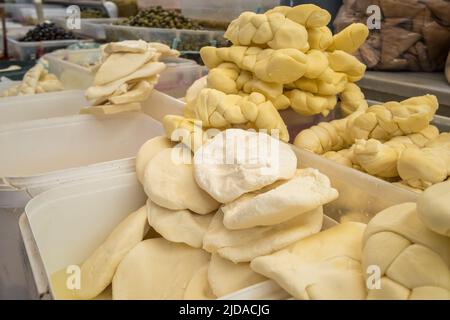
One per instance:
(41, 106)
(68, 103)
(97, 207)
(41, 154)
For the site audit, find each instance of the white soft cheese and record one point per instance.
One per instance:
(237, 161)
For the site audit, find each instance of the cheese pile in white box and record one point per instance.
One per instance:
(237, 211)
(210, 213)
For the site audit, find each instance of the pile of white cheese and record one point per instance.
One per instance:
(209, 214)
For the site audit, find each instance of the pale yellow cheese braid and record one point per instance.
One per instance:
(272, 30)
(309, 15)
(380, 159)
(219, 110)
(391, 119)
(280, 66)
(352, 99)
(421, 168)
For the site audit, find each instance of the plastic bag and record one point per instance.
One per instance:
(414, 34)
(447, 68)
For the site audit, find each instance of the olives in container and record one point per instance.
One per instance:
(158, 17)
(47, 31)
(185, 40)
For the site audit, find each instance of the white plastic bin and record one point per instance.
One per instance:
(41, 154)
(53, 219)
(68, 103)
(41, 106)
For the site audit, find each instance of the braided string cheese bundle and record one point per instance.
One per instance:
(216, 109)
(184, 130)
(415, 264)
(352, 99)
(228, 78)
(11, 91)
(421, 168)
(350, 38)
(306, 103)
(308, 15)
(320, 38)
(344, 157)
(380, 159)
(383, 122)
(341, 61)
(333, 84)
(279, 66)
(30, 80)
(36, 80)
(327, 136)
(273, 30)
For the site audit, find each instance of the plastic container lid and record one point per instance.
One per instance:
(41, 106)
(67, 103)
(40, 154)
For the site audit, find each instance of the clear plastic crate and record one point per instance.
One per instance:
(91, 28)
(94, 28)
(178, 77)
(217, 11)
(26, 13)
(35, 49)
(180, 39)
(73, 68)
